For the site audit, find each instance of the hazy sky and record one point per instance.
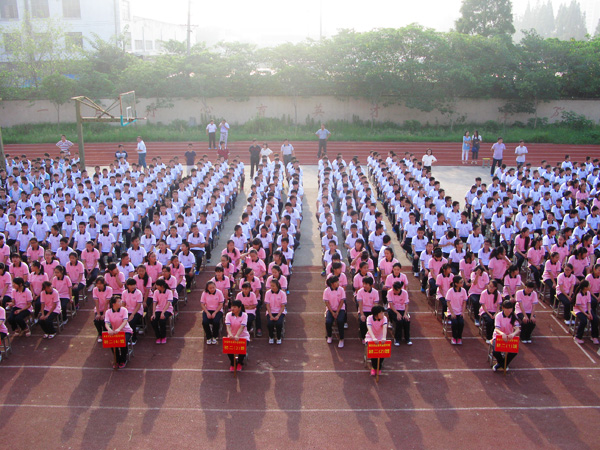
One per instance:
(267, 22)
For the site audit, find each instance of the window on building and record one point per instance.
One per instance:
(74, 39)
(11, 42)
(139, 44)
(149, 45)
(71, 9)
(127, 41)
(8, 9)
(40, 9)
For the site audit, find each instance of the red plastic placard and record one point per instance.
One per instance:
(116, 340)
(510, 346)
(233, 347)
(376, 350)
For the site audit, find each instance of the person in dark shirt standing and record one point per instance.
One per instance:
(190, 157)
(254, 157)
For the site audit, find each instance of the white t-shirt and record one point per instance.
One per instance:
(141, 147)
(211, 128)
(521, 151)
(428, 160)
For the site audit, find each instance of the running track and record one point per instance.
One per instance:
(447, 153)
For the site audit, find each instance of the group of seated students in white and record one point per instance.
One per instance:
(530, 233)
(256, 264)
(376, 277)
(135, 237)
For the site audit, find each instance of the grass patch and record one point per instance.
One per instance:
(278, 130)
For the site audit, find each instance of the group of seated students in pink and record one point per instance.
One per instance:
(256, 263)
(530, 234)
(132, 237)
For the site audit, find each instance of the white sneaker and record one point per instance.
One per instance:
(271, 341)
(396, 343)
(409, 343)
(329, 340)
(208, 341)
(487, 341)
(99, 338)
(341, 344)
(416, 274)
(278, 341)
(214, 341)
(346, 326)
(567, 322)
(477, 323)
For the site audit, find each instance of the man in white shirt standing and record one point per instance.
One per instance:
(323, 135)
(141, 150)
(520, 151)
(287, 150)
(224, 132)
(65, 145)
(211, 132)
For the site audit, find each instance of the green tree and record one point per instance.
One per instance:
(58, 89)
(597, 32)
(570, 22)
(486, 18)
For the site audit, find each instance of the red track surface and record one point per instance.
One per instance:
(302, 394)
(447, 153)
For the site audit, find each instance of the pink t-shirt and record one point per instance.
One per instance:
(112, 282)
(466, 267)
(49, 267)
(214, 301)
(369, 299)
(378, 327)
(285, 270)
(3, 328)
(35, 255)
(520, 244)
(487, 299)
(51, 299)
(357, 281)
(282, 281)
(258, 266)
(4, 253)
(498, 268)
(511, 285)
(132, 299)
(391, 279)
(594, 284)
(551, 271)
(255, 284)
(75, 272)
(116, 318)
(342, 277)
(179, 274)
(62, 286)
(36, 282)
(582, 303)
(563, 252)
(235, 322)
(525, 302)
(90, 259)
(480, 286)
(21, 271)
(102, 297)
(456, 300)
(579, 265)
(143, 287)
(276, 300)
(229, 270)
(249, 302)
(154, 271)
(223, 285)
(536, 256)
(385, 267)
(172, 284)
(503, 324)
(443, 284)
(435, 267)
(163, 300)
(6, 281)
(22, 298)
(566, 283)
(398, 300)
(335, 298)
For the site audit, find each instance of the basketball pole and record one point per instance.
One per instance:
(2, 156)
(80, 134)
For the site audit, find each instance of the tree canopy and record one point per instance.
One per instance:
(486, 18)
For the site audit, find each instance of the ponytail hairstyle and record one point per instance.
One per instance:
(496, 293)
(331, 281)
(398, 285)
(512, 269)
(498, 251)
(37, 265)
(527, 239)
(580, 287)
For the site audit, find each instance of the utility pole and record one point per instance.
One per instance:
(80, 134)
(189, 28)
(2, 156)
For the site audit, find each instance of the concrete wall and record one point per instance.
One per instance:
(196, 111)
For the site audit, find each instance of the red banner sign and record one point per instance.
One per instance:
(376, 350)
(510, 346)
(233, 347)
(116, 340)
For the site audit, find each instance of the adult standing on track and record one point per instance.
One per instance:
(521, 151)
(466, 147)
(323, 135)
(475, 144)
(141, 150)
(254, 157)
(65, 145)
(428, 160)
(190, 157)
(498, 149)
(211, 132)
(224, 128)
(287, 150)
